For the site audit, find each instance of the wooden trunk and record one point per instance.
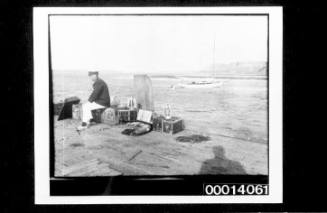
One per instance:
(96, 113)
(157, 122)
(127, 115)
(172, 125)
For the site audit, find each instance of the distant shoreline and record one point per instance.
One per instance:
(240, 77)
(234, 69)
(154, 76)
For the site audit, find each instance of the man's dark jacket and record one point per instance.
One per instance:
(100, 94)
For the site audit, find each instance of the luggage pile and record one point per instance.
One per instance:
(137, 112)
(142, 121)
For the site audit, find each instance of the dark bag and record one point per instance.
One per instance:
(142, 126)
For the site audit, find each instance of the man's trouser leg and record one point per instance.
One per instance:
(87, 110)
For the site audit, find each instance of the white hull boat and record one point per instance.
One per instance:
(198, 85)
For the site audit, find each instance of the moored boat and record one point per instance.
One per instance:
(199, 85)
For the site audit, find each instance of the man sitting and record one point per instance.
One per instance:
(98, 99)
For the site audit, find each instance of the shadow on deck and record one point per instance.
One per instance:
(220, 164)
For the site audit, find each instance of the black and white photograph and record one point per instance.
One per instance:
(160, 93)
(163, 106)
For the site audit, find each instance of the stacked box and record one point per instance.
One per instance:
(126, 115)
(110, 116)
(77, 111)
(172, 125)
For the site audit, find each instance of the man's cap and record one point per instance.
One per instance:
(93, 73)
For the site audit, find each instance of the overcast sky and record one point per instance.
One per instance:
(155, 44)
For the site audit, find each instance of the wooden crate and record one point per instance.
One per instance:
(110, 116)
(127, 115)
(157, 122)
(96, 113)
(172, 125)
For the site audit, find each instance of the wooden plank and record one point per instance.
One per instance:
(151, 154)
(80, 167)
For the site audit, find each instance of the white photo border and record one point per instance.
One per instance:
(41, 106)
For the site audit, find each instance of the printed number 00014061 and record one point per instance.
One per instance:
(235, 189)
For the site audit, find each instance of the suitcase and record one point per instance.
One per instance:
(110, 116)
(172, 125)
(66, 110)
(126, 115)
